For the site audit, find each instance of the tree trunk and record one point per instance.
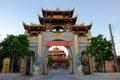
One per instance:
(103, 68)
(11, 69)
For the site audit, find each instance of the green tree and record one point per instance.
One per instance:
(50, 61)
(67, 62)
(15, 47)
(100, 48)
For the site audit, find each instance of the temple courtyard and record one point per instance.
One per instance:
(61, 74)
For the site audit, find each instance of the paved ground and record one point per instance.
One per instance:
(9, 76)
(14, 76)
(62, 75)
(24, 77)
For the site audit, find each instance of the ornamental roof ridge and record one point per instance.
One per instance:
(57, 9)
(83, 24)
(31, 24)
(34, 24)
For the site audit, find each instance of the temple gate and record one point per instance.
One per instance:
(57, 28)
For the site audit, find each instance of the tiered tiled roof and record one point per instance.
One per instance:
(63, 18)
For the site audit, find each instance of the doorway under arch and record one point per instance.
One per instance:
(85, 63)
(69, 57)
(57, 57)
(29, 60)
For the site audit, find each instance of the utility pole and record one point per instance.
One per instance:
(113, 45)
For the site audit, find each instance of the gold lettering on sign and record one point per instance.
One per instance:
(58, 43)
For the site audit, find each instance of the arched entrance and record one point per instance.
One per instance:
(85, 63)
(58, 57)
(67, 45)
(29, 61)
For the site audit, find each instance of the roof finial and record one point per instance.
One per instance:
(46, 8)
(41, 7)
(91, 22)
(23, 22)
(57, 9)
(77, 15)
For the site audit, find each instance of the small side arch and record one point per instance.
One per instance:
(85, 63)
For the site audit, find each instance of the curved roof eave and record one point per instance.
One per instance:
(83, 26)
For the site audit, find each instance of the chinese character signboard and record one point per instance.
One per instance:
(58, 43)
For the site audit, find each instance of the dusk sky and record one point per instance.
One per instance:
(100, 12)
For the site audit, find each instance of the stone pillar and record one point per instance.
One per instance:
(37, 68)
(76, 44)
(90, 62)
(89, 35)
(45, 63)
(70, 69)
(40, 44)
(77, 68)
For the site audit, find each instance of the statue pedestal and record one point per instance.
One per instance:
(36, 71)
(79, 70)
